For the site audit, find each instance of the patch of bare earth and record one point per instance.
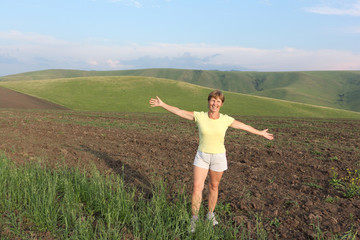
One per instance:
(286, 181)
(13, 99)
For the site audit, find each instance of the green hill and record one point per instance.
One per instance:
(335, 89)
(132, 93)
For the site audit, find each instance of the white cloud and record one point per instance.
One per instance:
(113, 63)
(340, 7)
(92, 62)
(30, 51)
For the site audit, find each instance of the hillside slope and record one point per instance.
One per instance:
(131, 94)
(335, 89)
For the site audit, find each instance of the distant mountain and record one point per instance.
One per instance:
(335, 89)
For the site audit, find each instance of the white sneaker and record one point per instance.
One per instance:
(211, 217)
(193, 223)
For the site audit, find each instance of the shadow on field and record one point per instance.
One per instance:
(128, 173)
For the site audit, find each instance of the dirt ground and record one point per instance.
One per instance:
(13, 99)
(285, 182)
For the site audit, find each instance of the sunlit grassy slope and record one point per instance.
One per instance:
(336, 89)
(132, 94)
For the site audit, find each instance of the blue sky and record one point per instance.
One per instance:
(249, 35)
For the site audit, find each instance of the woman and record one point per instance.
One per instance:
(210, 157)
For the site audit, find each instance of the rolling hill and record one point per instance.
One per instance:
(334, 89)
(132, 93)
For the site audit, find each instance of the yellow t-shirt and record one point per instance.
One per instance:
(212, 132)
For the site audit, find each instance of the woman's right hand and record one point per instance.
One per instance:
(181, 113)
(155, 102)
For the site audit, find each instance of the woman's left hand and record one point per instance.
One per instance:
(267, 135)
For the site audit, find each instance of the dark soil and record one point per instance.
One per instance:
(13, 99)
(285, 181)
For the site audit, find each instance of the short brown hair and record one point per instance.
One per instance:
(217, 94)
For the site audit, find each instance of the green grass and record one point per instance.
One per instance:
(36, 201)
(132, 94)
(335, 89)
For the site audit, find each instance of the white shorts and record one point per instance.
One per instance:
(214, 161)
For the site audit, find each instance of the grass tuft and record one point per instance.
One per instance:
(349, 184)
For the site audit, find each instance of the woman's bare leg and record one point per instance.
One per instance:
(200, 175)
(215, 178)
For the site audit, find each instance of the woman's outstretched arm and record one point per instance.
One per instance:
(181, 113)
(239, 125)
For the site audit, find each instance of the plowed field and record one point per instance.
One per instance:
(285, 182)
(13, 99)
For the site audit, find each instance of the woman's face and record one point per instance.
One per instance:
(215, 104)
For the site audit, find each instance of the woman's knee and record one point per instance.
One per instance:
(198, 187)
(214, 186)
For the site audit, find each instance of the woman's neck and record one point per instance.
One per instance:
(213, 115)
